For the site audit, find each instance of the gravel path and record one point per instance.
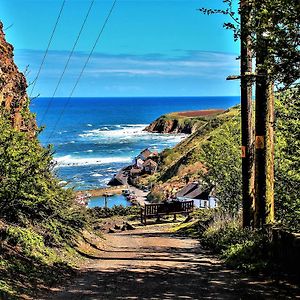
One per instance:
(152, 263)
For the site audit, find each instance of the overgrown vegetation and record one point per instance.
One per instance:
(39, 221)
(219, 152)
(287, 159)
(243, 249)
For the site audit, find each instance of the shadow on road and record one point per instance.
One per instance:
(149, 264)
(201, 281)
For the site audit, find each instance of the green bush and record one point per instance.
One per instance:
(242, 248)
(29, 193)
(249, 255)
(155, 196)
(32, 244)
(221, 156)
(222, 233)
(30, 241)
(37, 215)
(287, 159)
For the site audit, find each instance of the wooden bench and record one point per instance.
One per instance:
(169, 208)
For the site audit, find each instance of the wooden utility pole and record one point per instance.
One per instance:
(264, 138)
(246, 114)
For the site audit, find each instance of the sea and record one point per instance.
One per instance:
(93, 138)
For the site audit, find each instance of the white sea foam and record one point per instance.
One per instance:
(89, 125)
(129, 132)
(63, 131)
(97, 175)
(132, 135)
(125, 131)
(89, 151)
(68, 160)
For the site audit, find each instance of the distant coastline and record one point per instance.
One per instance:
(185, 122)
(97, 136)
(177, 123)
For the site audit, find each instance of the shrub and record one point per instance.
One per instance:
(249, 255)
(29, 193)
(30, 243)
(156, 196)
(29, 240)
(242, 248)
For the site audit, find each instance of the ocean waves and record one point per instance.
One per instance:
(98, 136)
(127, 133)
(114, 131)
(91, 155)
(69, 160)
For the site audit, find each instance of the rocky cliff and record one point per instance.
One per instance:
(166, 125)
(182, 122)
(14, 101)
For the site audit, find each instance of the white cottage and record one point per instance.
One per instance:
(202, 196)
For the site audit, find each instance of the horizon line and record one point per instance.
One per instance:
(102, 97)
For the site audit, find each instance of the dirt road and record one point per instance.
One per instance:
(140, 195)
(152, 263)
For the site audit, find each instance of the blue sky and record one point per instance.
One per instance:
(148, 48)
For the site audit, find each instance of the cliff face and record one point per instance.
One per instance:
(163, 125)
(13, 97)
(183, 122)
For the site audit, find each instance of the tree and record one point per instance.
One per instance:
(247, 114)
(220, 154)
(287, 159)
(270, 30)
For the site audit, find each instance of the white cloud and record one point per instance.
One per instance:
(194, 69)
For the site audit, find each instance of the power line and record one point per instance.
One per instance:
(48, 46)
(68, 61)
(83, 69)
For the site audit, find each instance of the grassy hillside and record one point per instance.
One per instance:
(183, 122)
(187, 151)
(212, 155)
(39, 221)
(184, 162)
